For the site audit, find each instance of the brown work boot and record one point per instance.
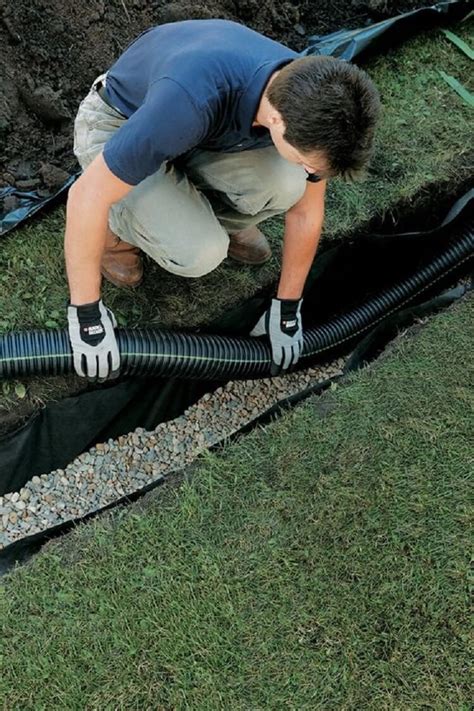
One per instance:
(250, 246)
(121, 263)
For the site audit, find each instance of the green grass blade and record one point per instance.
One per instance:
(458, 87)
(463, 46)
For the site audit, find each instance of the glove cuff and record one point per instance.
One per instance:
(289, 308)
(288, 301)
(88, 311)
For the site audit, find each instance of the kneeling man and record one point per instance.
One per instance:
(200, 131)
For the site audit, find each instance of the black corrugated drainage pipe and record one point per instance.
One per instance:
(165, 353)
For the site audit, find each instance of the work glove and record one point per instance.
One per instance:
(93, 341)
(282, 324)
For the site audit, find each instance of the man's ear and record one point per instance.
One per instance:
(275, 118)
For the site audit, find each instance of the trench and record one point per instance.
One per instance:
(197, 415)
(358, 296)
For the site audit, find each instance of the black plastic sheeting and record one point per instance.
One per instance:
(29, 204)
(361, 43)
(345, 44)
(341, 278)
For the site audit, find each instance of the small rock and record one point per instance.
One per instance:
(53, 177)
(46, 103)
(8, 178)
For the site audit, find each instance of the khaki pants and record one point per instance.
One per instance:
(182, 216)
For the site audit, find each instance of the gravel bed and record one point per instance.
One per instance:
(118, 467)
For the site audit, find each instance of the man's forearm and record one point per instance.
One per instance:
(86, 230)
(89, 202)
(300, 243)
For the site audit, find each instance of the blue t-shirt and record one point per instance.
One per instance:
(189, 84)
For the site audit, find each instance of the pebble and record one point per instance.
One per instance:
(119, 467)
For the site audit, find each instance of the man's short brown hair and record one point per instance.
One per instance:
(328, 105)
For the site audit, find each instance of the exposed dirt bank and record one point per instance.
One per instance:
(52, 51)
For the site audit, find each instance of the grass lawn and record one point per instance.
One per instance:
(423, 151)
(318, 563)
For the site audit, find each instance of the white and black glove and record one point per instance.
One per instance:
(93, 341)
(282, 324)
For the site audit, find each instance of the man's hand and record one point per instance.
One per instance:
(94, 346)
(282, 324)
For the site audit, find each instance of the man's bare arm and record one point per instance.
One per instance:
(87, 215)
(303, 225)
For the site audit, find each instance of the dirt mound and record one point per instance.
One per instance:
(52, 51)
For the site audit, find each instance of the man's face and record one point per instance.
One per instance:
(314, 163)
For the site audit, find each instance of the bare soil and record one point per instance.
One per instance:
(52, 51)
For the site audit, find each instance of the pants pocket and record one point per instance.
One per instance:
(95, 123)
(81, 140)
